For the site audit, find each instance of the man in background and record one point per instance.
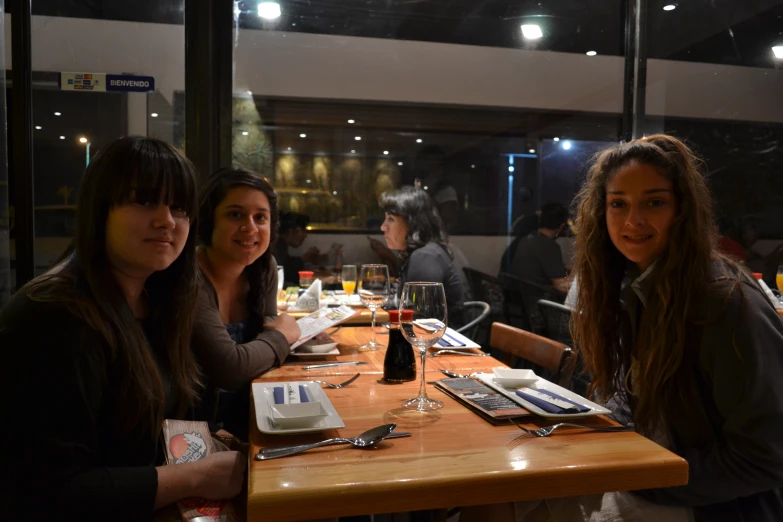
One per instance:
(292, 233)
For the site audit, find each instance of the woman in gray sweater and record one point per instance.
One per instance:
(237, 334)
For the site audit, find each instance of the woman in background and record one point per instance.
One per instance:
(96, 353)
(237, 334)
(413, 228)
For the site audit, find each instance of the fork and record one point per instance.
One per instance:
(338, 386)
(458, 352)
(547, 431)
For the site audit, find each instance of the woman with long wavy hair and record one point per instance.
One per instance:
(97, 352)
(238, 334)
(698, 361)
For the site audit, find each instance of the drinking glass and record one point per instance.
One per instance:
(373, 291)
(423, 328)
(349, 279)
(779, 279)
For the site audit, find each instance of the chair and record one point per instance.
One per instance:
(550, 355)
(480, 311)
(556, 320)
(486, 288)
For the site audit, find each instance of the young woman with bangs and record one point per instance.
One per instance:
(97, 352)
(238, 334)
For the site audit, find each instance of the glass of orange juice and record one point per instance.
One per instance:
(779, 279)
(349, 279)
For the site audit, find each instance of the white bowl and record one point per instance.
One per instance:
(302, 415)
(511, 378)
(310, 347)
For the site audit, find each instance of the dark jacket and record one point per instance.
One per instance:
(431, 263)
(738, 475)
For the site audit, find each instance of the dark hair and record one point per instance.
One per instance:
(213, 192)
(418, 209)
(553, 216)
(659, 376)
(289, 220)
(141, 170)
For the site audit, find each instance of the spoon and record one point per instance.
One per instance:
(366, 440)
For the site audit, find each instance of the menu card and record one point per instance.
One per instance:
(320, 320)
(488, 403)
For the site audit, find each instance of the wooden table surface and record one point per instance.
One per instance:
(454, 458)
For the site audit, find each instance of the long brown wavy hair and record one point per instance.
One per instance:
(83, 281)
(661, 359)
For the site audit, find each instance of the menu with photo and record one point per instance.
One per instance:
(321, 320)
(493, 406)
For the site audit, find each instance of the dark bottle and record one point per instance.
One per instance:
(400, 363)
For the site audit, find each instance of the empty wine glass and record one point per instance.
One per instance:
(425, 322)
(373, 291)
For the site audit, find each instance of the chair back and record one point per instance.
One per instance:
(557, 320)
(475, 312)
(487, 289)
(546, 353)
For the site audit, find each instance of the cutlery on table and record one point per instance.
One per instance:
(459, 375)
(457, 352)
(338, 386)
(330, 365)
(365, 440)
(347, 440)
(547, 431)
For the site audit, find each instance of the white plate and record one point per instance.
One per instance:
(512, 378)
(543, 384)
(315, 346)
(458, 337)
(332, 420)
(297, 353)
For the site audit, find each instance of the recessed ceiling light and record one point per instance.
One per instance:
(473, 166)
(399, 164)
(353, 151)
(309, 181)
(511, 168)
(566, 145)
(269, 10)
(303, 135)
(351, 121)
(426, 187)
(334, 192)
(556, 138)
(418, 140)
(532, 31)
(591, 53)
(778, 51)
(532, 151)
(82, 140)
(386, 153)
(38, 127)
(62, 137)
(358, 138)
(58, 114)
(289, 148)
(154, 114)
(245, 133)
(669, 7)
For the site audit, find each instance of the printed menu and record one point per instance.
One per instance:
(321, 320)
(490, 404)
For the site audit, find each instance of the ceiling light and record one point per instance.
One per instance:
(532, 151)
(556, 138)
(303, 135)
(353, 151)
(245, 133)
(82, 140)
(269, 10)
(58, 114)
(334, 192)
(566, 145)
(38, 127)
(289, 148)
(399, 164)
(511, 168)
(532, 31)
(426, 187)
(386, 153)
(309, 181)
(358, 138)
(418, 140)
(778, 51)
(591, 53)
(154, 114)
(669, 7)
(62, 137)
(473, 166)
(351, 121)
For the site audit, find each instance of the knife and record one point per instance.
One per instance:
(330, 365)
(270, 451)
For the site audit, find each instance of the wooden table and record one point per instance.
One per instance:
(454, 458)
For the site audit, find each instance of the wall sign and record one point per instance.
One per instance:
(99, 82)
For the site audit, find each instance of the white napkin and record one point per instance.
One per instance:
(310, 301)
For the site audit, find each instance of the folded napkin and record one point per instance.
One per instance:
(310, 300)
(545, 400)
(280, 393)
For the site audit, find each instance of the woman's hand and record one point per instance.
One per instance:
(286, 325)
(216, 477)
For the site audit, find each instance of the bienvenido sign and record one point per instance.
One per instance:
(100, 82)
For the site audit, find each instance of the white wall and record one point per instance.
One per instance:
(352, 68)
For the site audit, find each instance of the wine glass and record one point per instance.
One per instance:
(423, 325)
(373, 291)
(349, 279)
